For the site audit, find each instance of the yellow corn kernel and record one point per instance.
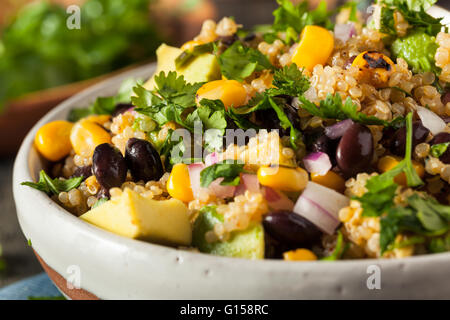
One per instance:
(86, 135)
(231, 92)
(92, 184)
(299, 255)
(389, 162)
(374, 67)
(53, 140)
(100, 119)
(190, 45)
(179, 183)
(330, 180)
(282, 178)
(315, 47)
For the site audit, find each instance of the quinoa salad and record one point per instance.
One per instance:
(323, 136)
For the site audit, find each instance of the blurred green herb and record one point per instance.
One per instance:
(438, 150)
(339, 249)
(38, 51)
(106, 105)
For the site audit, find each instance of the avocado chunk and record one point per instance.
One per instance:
(202, 68)
(247, 243)
(134, 216)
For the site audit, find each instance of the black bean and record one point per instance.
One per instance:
(445, 98)
(108, 166)
(291, 229)
(442, 137)
(121, 108)
(268, 119)
(355, 150)
(143, 160)
(326, 145)
(398, 141)
(85, 171)
(249, 37)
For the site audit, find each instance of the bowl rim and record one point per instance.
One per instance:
(22, 172)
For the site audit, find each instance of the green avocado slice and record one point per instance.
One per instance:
(247, 243)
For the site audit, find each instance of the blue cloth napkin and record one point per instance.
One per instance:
(36, 287)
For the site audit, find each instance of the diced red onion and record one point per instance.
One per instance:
(321, 206)
(194, 176)
(316, 214)
(344, 31)
(250, 181)
(215, 187)
(277, 200)
(317, 162)
(337, 130)
(221, 191)
(431, 120)
(211, 158)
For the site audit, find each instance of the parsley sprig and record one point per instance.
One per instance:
(54, 186)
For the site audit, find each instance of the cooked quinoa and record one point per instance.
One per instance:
(350, 142)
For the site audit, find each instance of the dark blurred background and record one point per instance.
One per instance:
(42, 63)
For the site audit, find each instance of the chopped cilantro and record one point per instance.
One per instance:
(333, 108)
(289, 81)
(238, 61)
(382, 188)
(54, 186)
(440, 244)
(438, 150)
(100, 202)
(414, 12)
(230, 172)
(339, 249)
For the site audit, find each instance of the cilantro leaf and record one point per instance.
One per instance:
(238, 61)
(423, 216)
(106, 105)
(54, 186)
(333, 108)
(381, 189)
(168, 101)
(438, 150)
(339, 249)
(230, 172)
(414, 12)
(440, 244)
(289, 81)
(387, 22)
(174, 89)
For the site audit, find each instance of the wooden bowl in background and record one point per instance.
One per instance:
(21, 114)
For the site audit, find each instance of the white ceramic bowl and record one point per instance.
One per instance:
(108, 266)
